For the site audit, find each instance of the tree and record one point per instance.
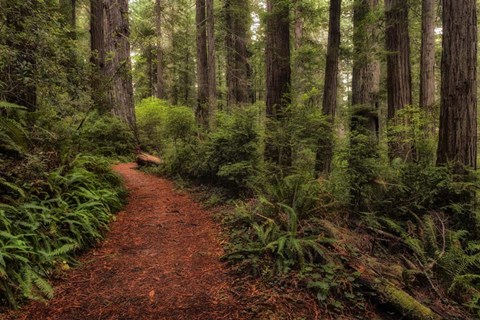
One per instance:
(427, 64)
(278, 58)
(211, 59)
(202, 112)
(118, 64)
(159, 88)
(458, 111)
(97, 57)
(237, 66)
(365, 102)
(366, 69)
(399, 77)
(331, 83)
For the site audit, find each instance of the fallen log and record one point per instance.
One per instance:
(144, 159)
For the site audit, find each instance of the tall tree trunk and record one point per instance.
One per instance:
(278, 74)
(325, 150)
(399, 78)
(202, 113)
(237, 17)
(119, 66)
(427, 64)
(97, 56)
(278, 58)
(211, 58)
(366, 69)
(365, 102)
(458, 112)
(160, 84)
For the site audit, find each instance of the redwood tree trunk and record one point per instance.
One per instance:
(365, 89)
(119, 66)
(458, 112)
(237, 17)
(366, 69)
(211, 58)
(278, 58)
(399, 78)
(202, 113)
(427, 64)
(325, 151)
(159, 87)
(97, 56)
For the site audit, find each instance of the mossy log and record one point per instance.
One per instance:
(401, 301)
(373, 275)
(144, 159)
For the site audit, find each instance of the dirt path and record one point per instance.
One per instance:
(159, 261)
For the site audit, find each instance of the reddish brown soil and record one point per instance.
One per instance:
(160, 260)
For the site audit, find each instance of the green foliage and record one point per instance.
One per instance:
(46, 227)
(160, 124)
(229, 155)
(105, 135)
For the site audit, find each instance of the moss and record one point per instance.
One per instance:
(403, 302)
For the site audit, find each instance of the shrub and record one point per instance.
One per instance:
(106, 135)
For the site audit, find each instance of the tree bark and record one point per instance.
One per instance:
(237, 17)
(211, 58)
(427, 63)
(366, 69)
(97, 55)
(325, 150)
(365, 89)
(399, 78)
(202, 113)
(118, 65)
(458, 111)
(278, 58)
(160, 86)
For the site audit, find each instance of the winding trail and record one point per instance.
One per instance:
(159, 261)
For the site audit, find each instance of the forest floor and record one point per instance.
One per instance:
(161, 260)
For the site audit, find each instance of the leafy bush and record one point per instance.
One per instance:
(43, 230)
(106, 136)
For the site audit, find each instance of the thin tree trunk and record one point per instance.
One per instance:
(458, 112)
(211, 58)
(325, 150)
(427, 65)
(202, 113)
(119, 66)
(399, 78)
(160, 85)
(97, 55)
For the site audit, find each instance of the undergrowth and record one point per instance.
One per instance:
(52, 207)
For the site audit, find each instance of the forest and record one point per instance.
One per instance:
(239, 159)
